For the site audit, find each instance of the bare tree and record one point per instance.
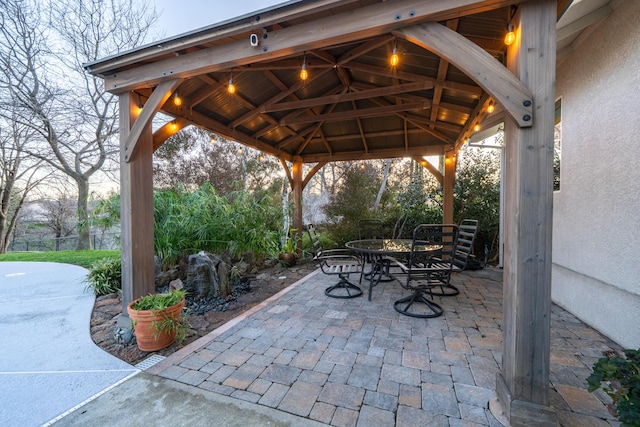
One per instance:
(69, 109)
(19, 172)
(59, 215)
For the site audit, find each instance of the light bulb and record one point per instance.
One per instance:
(491, 108)
(394, 60)
(177, 100)
(510, 37)
(476, 128)
(304, 74)
(231, 88)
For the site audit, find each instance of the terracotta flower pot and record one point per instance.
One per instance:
(287, 258)
(144, 322)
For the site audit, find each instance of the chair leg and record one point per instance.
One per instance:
(343, 289)
(444, 291)
(403, 306)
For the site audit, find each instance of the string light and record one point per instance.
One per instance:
(491, 108)
(173, 125)
(177, 101)
(304, 74)
(261, 157)
(476, 128)
(231, 87)
(240, 150)
(510, 37)
(394, 60)
(213, 139)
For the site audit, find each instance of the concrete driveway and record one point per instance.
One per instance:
(48, 362)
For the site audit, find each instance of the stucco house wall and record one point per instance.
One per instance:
(596, 232)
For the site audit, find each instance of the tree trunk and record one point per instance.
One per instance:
(84, 228)
(383, 185)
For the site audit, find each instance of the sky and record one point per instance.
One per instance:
(177, 17)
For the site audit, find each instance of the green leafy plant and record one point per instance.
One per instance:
(619, 377)
(105, 276)
(170, 324)
(159, 301)
(290, 245)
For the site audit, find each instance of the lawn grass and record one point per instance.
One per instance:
(81, 258)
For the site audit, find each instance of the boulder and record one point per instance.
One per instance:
(207, 276)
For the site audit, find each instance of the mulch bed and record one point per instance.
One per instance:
(206, 315)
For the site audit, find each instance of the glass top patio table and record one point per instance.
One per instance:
(377, 249)
(389, 246)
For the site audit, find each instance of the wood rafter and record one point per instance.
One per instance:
(367, 112)
(443, 67)
(350, 96)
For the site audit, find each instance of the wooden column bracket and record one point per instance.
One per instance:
(160, 94)
(479, 65)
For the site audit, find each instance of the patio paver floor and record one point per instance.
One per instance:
(356, 362)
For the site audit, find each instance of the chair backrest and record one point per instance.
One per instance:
(445, 235)
(468, 230)
(370, 228)
(314, 238)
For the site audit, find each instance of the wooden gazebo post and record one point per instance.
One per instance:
(297, 187)
(523, 385)
(449, 183)
(136, 208)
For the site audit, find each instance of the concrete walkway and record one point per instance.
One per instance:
(48, 362)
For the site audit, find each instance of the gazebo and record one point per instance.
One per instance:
(312, 82)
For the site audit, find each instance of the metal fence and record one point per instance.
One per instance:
(110, 241)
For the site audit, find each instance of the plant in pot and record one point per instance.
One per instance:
(289, 251)
(156, 319)
(619, 377)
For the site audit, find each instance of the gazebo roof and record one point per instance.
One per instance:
(354, 104)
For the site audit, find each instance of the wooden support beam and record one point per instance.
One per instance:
(136, 209)
(167, 130)
(367, 112)
(450, 162)
(370, 21)
(349, 96)
(143, 122)
(488, 73)
(287, 172)
(311, 173)
(296, 174)
(432, 169)
(432, 150)
(403, 75)
(522, 387)
(202, 120)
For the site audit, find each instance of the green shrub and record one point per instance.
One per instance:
(159, 301)
(619, 377)
(105, 276)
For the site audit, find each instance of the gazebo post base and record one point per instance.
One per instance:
(511, 412)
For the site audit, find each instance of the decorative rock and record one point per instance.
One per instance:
(203, 278)
(176, 284)
(123, 336)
